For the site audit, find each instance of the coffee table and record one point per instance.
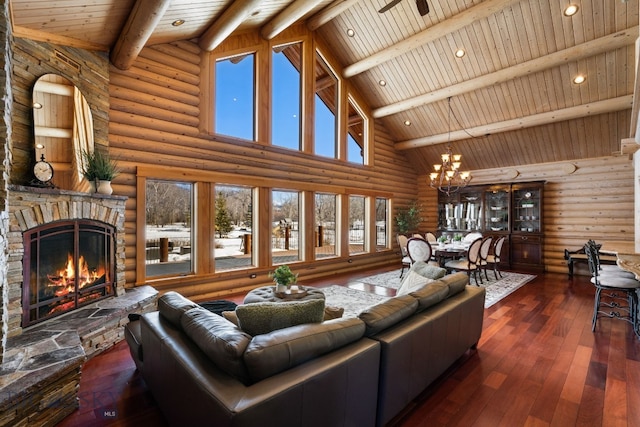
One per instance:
(268, 294)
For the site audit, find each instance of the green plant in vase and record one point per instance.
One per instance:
(283, 277)
(99, 169)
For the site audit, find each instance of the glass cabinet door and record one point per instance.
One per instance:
(471, 211)
(527, 209)
(497, 208)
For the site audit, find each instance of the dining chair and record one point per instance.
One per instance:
(494, 258)
(468, 263)
(406, 261)
(485, 248)
(431, 238)
(620, 292)
(418, 236)
(419, 250)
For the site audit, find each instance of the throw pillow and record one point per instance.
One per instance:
(411, 282)
(427, 270)
(264, 317)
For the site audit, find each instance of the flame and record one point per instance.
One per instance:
(66, 278)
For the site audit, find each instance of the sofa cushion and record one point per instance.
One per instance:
(387, 313)
(431, 294)
(456, 282)
(172, 305)
(222, 341)
(282, 349)
(264, 317)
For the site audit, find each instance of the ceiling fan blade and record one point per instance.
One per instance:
(423, 7)
(389, 5)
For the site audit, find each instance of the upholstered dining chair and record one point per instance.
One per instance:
(431, 238)
(493, 259)
(470, 262)
(419, 250)
(616, 289)
(406, 261)
(485, 248)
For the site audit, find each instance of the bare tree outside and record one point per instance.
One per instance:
(234, 243)
(285, 226)
(357, 217)
(325, 229)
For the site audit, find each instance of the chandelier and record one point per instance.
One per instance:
(447, 176)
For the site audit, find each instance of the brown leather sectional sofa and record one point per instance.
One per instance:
(203, 370)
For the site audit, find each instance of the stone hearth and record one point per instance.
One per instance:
(41, 365)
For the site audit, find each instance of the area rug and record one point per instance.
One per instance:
(352, 300)
(496, 289)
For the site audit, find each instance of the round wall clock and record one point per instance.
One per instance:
(43, 170)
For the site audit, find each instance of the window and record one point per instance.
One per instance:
(357, 221)
(286, 96)
(285, 231)
(169, 205)
(234, 96)
(382, 232)
(356, 134)
(233, 245)
(325, 231)
(326, 109)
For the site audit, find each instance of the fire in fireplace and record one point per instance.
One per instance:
(66, 265)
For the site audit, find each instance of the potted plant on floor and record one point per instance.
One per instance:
(99, 169)
(283, 277)
(408, 220)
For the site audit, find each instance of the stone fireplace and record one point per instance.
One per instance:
(66, 297)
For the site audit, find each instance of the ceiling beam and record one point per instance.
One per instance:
(591, 109)
(575, 53)
(329, 13)
(142, 21)
(287, 17)
(441, 29)
(227, 23)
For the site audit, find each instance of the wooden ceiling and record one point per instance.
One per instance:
(512, 97)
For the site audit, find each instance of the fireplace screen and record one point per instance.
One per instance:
(66, 265)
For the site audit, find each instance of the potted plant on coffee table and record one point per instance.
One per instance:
(99, 169)
(283, 277)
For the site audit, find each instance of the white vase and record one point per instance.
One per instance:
(281, 288)
(104, 187)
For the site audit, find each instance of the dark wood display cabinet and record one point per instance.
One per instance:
(515, 210)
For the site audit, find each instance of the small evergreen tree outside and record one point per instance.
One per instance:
(223, 219)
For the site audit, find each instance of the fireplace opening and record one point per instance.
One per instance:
(67, 264)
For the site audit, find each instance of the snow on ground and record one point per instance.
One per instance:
(231, 245)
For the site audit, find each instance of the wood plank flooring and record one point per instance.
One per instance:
(537, 364)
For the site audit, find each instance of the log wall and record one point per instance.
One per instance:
(154, 123)
(585, 199)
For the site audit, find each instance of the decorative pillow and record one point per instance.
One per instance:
(333, 312)
(264, 317)
(172, 305)
(222, 341)
(411, 282)
(427, 270)
(387, 313)
(231, 316)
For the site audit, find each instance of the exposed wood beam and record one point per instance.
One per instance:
(142, 21)
(284, 19)
(441, 29)
(43, 36)
(575, 53)
(230, 19)
(591, 109)
(329, 13)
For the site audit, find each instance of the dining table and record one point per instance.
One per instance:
(628, 258)
(446, 251)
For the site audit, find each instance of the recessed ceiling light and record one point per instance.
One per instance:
(350, 32)
(407, 122)
(460, 53)
(579, 79)
(37, 105)
(382, 82)
(571, 10)
(178, 22)
(39, 146)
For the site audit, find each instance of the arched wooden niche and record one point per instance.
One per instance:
(63, 128)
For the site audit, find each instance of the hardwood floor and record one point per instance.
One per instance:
(537, 364)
